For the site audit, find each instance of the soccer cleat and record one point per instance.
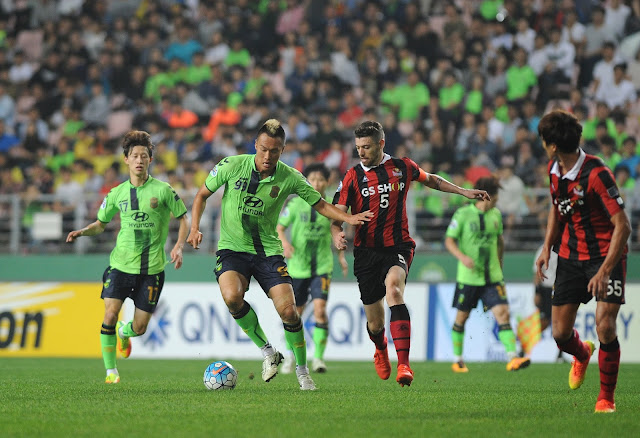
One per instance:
(518, 363)
(318, 365)
(306, 382)
(288, 364)
(381, 361)
(459, 367)
(112, 378)
(405, 375)
(579, 369)
(605, 407)
(270, 365)
(124, 343)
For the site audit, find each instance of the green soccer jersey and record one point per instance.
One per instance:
(477, 234)
(145, 212)
(251, 206)
(311, 240)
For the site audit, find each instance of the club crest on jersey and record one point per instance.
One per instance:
(578, 191)
(153, 203)
(397, 172)
(214, 171)
(274, 191)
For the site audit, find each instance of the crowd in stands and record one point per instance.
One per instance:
(459, 87)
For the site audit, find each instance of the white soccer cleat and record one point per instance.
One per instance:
(270, 365)
(288, 365)
(318, 365)
(306, 382)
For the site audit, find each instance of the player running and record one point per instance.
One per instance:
(310, 262)
(255, 189)
(474, 237)
(136, 264)
(383, 248)
(589, 228)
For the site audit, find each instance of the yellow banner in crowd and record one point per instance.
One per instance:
(50, 319)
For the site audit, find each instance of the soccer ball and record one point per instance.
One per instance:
(220, 375)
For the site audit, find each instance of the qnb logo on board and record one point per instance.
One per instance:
(252, 206)
(140, 219)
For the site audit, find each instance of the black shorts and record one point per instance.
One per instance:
(370, 266)
(544, 302)
(269, 271)
(466, 297)
(317, 287)
(143, 289)
(572, 279)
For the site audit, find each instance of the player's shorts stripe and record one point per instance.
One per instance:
(381, 220)
(397, 229)
(313, 263)
(484, 252)
(364, 228)
(133, 193)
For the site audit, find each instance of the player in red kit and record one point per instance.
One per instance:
(588, 228)
(383, 248)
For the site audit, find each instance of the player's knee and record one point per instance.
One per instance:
(561, 336)
(289, 314)
(139, 328)
(376, 326)
(606, 331)
(110, 318)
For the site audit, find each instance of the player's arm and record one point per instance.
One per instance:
(286, 245)
(501, 250)
(343, 263)
(621, 231)
(92, 229)
(452, 246)
(337, 214)
(176, 252)
(337, 233)
(551, 236)
(199, 204)
(436, 182)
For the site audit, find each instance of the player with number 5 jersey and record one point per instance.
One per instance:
(383, 248)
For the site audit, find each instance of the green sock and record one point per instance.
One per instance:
(248, 322)
(127, 330)
(507, 337)
(457, 336)
(320, 336)
(108, 343)
(295, 337)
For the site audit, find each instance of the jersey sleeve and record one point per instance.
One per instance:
(342, 195)
(108, 208)
(606, 189)
(304, 189)
(220, 173)
(415, 173)
(454, 230)
(175, 203)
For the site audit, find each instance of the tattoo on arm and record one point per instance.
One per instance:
(438, 182)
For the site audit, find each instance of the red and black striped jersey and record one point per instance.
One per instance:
(383, 190)
(584, 199)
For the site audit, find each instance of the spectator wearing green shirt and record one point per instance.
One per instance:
(156, 79)
(136, 265)
(238, 55)
(199, 71)
(608, 152)
(450, 101)
(520, 77)
(410, 98)
(255, 189)
(602, 115)
(475, 96)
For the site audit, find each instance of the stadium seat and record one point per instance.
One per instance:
(30, 42)
(119, 122)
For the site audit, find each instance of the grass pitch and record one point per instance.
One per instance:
(67, 397)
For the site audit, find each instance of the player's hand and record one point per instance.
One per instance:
(176, 257)
(479, 195)
(339, 241)
(543, 261)
(360, 218)
(598, 285)
(288, 250)
(467, 261)
(73, 235)
(195, 238)
(343, 264)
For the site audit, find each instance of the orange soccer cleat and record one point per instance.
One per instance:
(579, 369)
(459, 367)
(605, 406)
(381, 361)
(405, 375)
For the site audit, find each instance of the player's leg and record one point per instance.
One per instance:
(319, 290)
(457, 337)
(608, 355)
(568, 340)
(301, 294)
(375, 327)
(108, 339)
(400, 322)
(508, 338)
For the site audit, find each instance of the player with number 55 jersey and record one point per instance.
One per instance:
(383, 248)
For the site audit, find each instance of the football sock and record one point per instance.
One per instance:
(457, 336)
(302, 369)
(108, 342)
(378, 338)
(294, 335)
(267, 350)
(400, 327)
(320, 336)
(609, 363)
(127, 330)
(247, 319)
(575, 347)
(508, 339)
